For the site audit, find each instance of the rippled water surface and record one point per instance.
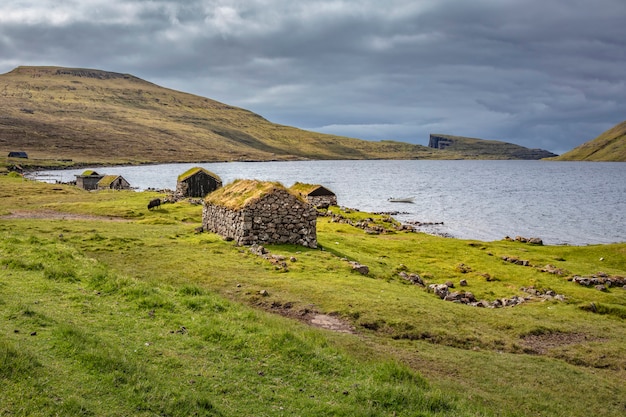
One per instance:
(561, 202)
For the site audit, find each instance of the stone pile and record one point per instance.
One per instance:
(466, 297)
(280, 261)
(412, 278)
(361, 269)
(551, 269)
(516, 261)
(600, 281)
(530, 240)
(365, 224)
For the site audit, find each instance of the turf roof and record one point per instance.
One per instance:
(240, 193)
(89, 172)
(107, 180)
(193, 171)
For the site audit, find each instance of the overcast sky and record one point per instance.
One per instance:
(548, 74)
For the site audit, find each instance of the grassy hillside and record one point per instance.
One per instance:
(111, 309)
(97, 116)
(473, 148)
(609, 146)
(69, 116)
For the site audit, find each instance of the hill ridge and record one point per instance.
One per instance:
(609, 146)
(95, 116)
(485, 147)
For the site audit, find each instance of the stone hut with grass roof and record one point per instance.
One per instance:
(197, 182)
(257, 212)
(113, 182)
(88, 180)
(316, 195)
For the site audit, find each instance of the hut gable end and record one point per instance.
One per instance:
(254, 212)
(113, 182)
(197, 182)
(88, 180)
(316, 195)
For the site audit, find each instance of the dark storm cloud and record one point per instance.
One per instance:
(544, 73)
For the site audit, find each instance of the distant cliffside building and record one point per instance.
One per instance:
(197, 182)
(316, 195)
(439, 141)
(255, 212)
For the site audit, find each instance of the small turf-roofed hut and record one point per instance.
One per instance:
(256, 212)
(88, 180)
(113, 182)
(197, 182)
(316, 195)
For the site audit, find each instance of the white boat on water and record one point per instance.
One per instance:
(401, 199)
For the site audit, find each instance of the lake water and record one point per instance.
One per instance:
(574, 203)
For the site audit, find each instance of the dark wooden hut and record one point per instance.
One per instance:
(255, 212)
(18, 154)
(88, 180)
(197, 182)
(316, 195)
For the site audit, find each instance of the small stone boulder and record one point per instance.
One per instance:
(361, 269)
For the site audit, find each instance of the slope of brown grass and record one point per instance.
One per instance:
(609, 146)
(97, 116)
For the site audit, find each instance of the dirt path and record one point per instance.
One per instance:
(56, 215)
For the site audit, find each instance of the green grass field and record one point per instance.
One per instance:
(109, 309)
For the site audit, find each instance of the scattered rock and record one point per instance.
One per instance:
(412, 278)
(600, 279)
(529, 240)
(264, 293)
(551, 269)
(516, 261)
(464, 269)
(463, 283)
(361, 269)
(258, 250)
(468, 298)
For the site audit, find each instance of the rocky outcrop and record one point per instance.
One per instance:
(479, 148)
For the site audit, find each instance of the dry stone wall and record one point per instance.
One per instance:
(278, 217)
(322, 201)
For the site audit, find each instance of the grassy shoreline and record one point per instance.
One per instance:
(142, 316)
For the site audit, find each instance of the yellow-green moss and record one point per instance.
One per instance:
(303, 188)
(107, 180)
(193, 171)
(240, 193)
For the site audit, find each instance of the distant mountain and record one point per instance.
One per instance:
(91, 116)
(470, 148)
(609, 146)
(107, 117)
